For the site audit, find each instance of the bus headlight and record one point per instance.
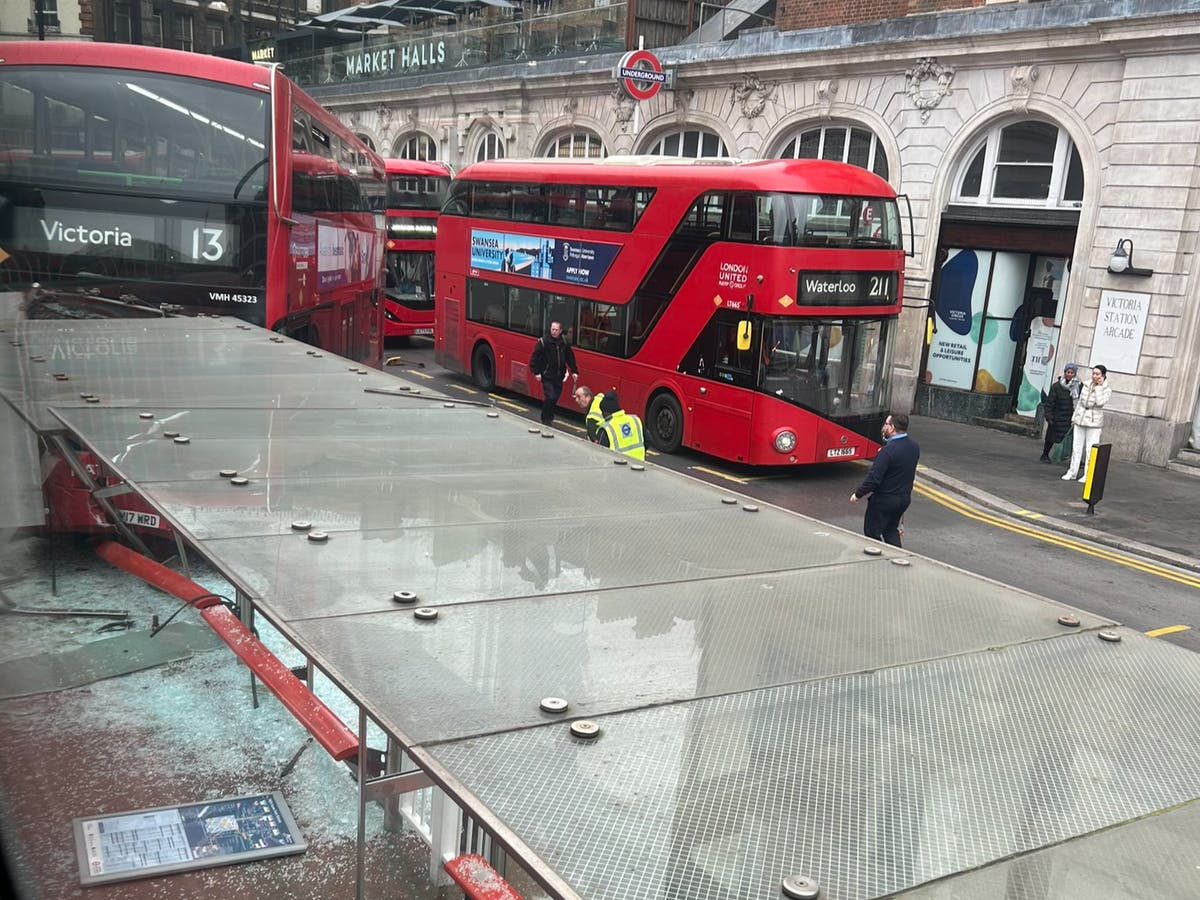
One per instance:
(785, 441)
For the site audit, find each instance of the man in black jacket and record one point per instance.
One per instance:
(889, 482)
(551, 362)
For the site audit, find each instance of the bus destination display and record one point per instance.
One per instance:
(177, 838)
(847, 288)
(133, 236)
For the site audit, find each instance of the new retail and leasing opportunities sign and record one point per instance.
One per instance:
(551, 259)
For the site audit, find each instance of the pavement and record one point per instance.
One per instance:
(1144, 510)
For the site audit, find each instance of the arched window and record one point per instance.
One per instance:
(1029, 163)
(365, 138)
(842, 143)
(690, 142)
(416, 146)
(491, 147)
(577, 145)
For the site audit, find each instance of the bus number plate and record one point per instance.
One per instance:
(140, 519)
(422, 331)
(840, 451)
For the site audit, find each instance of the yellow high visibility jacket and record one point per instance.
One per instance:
(594, 420)
(624, 433)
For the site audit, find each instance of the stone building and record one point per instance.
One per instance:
(1031, 138)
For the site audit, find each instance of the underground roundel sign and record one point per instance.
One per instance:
(641, 74)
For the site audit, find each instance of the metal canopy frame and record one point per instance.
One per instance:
(774, 698)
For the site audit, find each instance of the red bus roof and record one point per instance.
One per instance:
(815, 176)
(397, 166)
(134, 56)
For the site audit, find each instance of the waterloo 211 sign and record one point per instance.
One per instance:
(640, 74)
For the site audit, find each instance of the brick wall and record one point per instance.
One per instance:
(793, 15)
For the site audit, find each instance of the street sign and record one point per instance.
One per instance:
(641, 74)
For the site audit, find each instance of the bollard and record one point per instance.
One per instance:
(1097, 472)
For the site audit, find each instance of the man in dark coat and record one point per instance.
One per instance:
(551, 362)
(1060, 403)
(889, 482)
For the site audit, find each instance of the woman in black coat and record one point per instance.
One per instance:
(1057, 408)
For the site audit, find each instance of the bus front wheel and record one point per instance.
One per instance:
(483, 367)
(664, 423)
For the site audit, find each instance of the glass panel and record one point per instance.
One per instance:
(835, 144)
(1073, 190)
(1028, 142)
(409, 279)
(880, 166)
(485, 302)
(194, 138)
(859, 153)
(836, 368)
(599, 327)
(1015, 182)
(525, 310)
(958, 313)
(973, 179)
(810, 144)
(691, 144)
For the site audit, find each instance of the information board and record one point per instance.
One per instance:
(168, 839)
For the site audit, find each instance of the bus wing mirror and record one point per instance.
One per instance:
(743, 335)
(911, 248)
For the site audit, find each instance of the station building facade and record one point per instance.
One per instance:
(1050, 153)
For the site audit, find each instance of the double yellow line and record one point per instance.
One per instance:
(1112, 556)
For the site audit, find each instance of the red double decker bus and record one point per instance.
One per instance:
(137, 181)
(416, 190)
(746, 309)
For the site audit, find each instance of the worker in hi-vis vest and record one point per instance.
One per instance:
(621, 431)
(590, 405)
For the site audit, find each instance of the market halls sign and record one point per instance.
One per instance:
(396, 60)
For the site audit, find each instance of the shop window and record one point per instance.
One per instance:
(840, 143)
(1027, 163)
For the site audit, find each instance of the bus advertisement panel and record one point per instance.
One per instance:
(746, 309)
(416, 190)
(131, 188)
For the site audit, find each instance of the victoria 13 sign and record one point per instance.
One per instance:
(640, 74)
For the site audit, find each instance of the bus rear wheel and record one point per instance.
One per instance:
(664, 423)
(483, 367)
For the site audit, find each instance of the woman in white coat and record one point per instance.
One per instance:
(1087, 421)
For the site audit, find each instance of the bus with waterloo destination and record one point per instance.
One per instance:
(746, 309)
(416, 190)
(144, 181)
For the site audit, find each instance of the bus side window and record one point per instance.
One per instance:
(524, 311)
(743, 218)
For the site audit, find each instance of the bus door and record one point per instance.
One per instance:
(719, 399)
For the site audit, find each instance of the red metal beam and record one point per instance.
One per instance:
(309, 710)
(479, 880)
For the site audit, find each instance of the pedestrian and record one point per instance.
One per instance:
(551, 363)
(1087, 420)
(593, 419)
(1059, 406)
(621, 431)
(889, 482)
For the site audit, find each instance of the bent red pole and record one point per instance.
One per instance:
(320, 721)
